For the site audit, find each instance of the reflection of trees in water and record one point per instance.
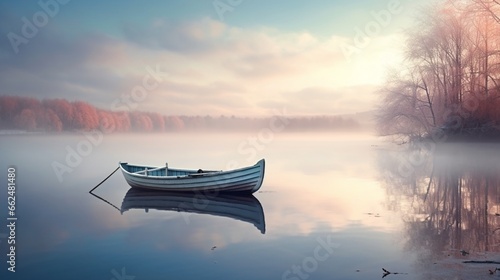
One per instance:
(450, 200)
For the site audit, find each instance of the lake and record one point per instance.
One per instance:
(332, 206)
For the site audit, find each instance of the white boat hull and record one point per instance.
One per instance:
(247, 179)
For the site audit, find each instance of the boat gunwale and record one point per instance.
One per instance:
(188, 176)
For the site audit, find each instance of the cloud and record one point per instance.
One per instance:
(182, 37)
(51, 65)
(187, 98)
(250, 53)
(213, 68)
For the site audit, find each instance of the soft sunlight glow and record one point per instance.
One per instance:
(213, 67)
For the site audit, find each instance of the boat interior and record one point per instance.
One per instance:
(163, 171)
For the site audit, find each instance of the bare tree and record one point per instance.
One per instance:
(408, 107)
(490, 6)
(452, 73)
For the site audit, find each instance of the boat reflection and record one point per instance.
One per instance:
(450, 201)
(245, 208)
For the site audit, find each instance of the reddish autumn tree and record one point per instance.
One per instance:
(9, 108)
(122, 121)
(26, 120)
(140, 122)
(173, 123)
(84, 116)
(63, 109)
(106, 121)
(30, 103)
(157, 121)
(51, 121)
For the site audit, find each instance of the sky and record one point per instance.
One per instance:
(204, 57)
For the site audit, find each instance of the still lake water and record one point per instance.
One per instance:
(331, 206)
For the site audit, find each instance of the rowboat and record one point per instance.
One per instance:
(243, 180)
(246, 208)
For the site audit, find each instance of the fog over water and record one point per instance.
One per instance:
(331, 205)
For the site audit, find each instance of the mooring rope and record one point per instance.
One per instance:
(104, 179)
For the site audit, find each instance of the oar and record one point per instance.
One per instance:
(104, 179)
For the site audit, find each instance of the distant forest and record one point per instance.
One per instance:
(58, 115)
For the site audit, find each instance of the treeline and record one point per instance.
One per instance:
(449, 87)
(57, 115)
